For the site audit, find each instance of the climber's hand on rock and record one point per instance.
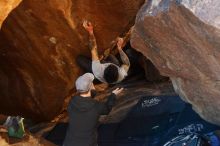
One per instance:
(117, 91)
(88, 26)
(120, 42)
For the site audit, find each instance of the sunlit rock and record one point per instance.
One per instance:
(6, 6)
(39, 42)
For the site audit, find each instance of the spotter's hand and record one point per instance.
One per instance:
(117, 91)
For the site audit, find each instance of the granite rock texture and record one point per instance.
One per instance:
(39, 42)
(184, 44)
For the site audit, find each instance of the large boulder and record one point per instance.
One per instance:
(39, 42)
(182, 39)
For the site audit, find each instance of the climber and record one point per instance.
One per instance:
(111, 71)
(84, 113)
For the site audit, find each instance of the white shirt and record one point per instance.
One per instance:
(98, 69)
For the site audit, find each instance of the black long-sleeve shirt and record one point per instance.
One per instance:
(84, 113)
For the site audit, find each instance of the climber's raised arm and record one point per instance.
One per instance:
(124, 57)
(92, 40)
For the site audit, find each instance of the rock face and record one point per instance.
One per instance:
(6, 6)
(39, 42)
(206, 10)
(182, 39)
